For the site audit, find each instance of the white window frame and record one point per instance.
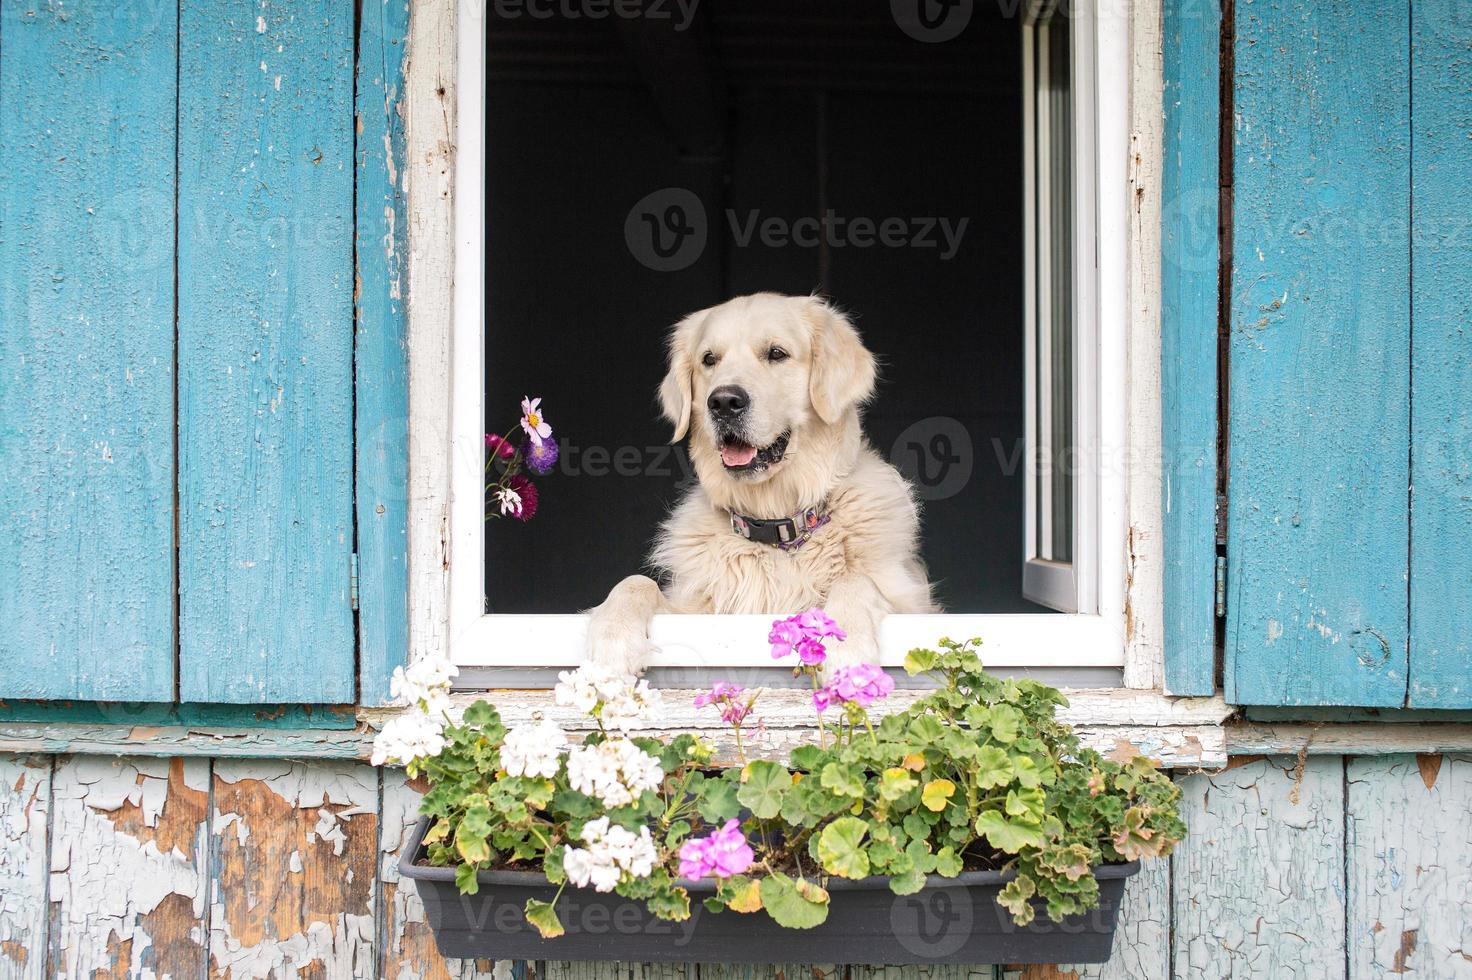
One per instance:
(1095, 637)
(1068, 586)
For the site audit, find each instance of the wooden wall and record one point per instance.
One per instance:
(1313, 867)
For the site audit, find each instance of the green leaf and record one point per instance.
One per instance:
(1008, 835)
(918, 661)
(670, 902)
(993, 768)
(947, 862)
(1005, 722)
(1016, 898)
(718, 802)
(482, 716)
(808, 757)
(908, 883)
(788, 907)
(924, 731)
(477, 819)
(544, 917)
(765, 783)
(842, 780)
(840, 848)
(894, 783)
(465, 879)
(552, 864)
(471, 846)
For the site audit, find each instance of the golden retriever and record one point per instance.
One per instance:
(793, 508)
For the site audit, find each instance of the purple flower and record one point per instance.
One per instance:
(723, 854)
(804, 634)
(860, 684)
(541, 456)
(726, 697)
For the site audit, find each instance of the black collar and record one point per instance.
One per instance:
(786, 533)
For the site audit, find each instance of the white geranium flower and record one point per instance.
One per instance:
(533, 749)
(624, 703)
(425, 683)
(611, 854)
(408, 737)
(616, 772)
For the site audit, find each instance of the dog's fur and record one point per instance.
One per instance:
(863, 564)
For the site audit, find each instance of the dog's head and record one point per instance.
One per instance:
(755, 379)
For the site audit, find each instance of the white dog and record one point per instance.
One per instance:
(793, 509)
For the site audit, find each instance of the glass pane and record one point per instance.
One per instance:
(1060, 279)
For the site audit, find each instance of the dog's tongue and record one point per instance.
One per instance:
(738, 455)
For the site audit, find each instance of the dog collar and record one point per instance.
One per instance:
(786, 533)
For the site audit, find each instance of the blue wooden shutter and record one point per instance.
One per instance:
(87, 351)
(1441, 355)
(1343, 591)
(1189, 262)
(266, 351)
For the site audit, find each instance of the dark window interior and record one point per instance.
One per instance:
(782, 111)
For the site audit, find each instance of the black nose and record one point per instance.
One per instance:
(727, 402)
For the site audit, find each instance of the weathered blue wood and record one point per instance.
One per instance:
(86, 351)
(1441, 355)
(1320, 348)
(1190, 254)
(382, 359)
(265, 351)
(154, 715)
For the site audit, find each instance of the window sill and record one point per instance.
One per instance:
(1180, 732)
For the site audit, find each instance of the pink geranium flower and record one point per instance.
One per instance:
(726, 697)
(722, 854)
(860, 684)
(804, 634)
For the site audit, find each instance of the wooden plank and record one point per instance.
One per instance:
(25, 799)
(155, 714)
(1320, 346)
(1358, 738)
(294, 858)
(1441, 356)
(1188, 341)
(265, 351)
(87, 352)
(1410, 866)
(406, 945)
(151, 741)
(1258, 885)
(778, 971)
(381, 360)
(128, 880)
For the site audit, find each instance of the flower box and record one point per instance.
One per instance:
(951, 920)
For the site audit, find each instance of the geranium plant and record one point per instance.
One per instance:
(975, 774)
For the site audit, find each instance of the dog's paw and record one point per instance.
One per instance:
(621, 647)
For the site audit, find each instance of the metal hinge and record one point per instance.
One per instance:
(353, 580)
(1221, 586)
(1221, 520)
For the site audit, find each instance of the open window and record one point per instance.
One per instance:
(629, 170)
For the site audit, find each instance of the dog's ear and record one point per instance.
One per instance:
(843, 372)
(674, 391)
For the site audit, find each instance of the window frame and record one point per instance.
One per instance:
(1093, 638)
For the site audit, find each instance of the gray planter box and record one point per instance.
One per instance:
(951, 920)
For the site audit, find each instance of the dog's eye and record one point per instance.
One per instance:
(776, 354)
(709, 360)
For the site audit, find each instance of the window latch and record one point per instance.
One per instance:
(1221, 587)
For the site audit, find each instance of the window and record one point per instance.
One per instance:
(1014, 369)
